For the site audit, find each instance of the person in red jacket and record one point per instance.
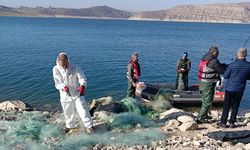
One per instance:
(209, 74)
(133, 73)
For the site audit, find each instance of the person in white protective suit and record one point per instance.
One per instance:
(71, 83)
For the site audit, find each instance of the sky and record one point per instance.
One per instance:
(131, 5)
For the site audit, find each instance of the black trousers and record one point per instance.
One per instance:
(232, 99)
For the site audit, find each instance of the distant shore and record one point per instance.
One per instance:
(109, 18)
(235, 13)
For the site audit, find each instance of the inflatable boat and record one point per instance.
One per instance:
(150, 91)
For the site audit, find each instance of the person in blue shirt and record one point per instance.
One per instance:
(237, 74)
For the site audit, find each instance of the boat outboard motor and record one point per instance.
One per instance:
(220, 85)
(140, 86)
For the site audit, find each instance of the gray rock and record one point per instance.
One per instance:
(246, 121)
(214, 113)
(185, 118)
(239, 145)
(172, 113)
(247, 146)
(163, 143)
(203, 141)
(104, 100)
(159, 148)
(247, 115)
(196, 138)
(196, 143)
(172, 123)
(15, 106)
(154, 144)
(229, 135)
(8, 117)
(101, 115)
(59, 120)
(101, 126)
(188, 126)
(226, 144)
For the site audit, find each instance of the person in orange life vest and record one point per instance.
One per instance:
(71, 83)
(209, 73)
(182, 68)
(133, 73)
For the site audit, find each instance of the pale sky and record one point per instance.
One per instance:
(136, 5)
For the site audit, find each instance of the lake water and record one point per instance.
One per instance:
(102, 49)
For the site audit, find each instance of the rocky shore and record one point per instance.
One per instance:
(23, 128)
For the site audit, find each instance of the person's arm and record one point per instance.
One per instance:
(220, 68)
(81, 76)
(81, 79)
(188, 66)
(227, 72)
(178, 66)
(130, 73)
(59, 83)
(139, 69)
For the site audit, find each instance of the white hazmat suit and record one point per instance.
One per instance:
(72, 103)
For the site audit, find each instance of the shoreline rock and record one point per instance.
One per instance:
(15, 105)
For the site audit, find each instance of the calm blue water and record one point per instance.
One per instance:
(102, 48)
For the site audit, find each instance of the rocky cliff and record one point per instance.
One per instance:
(219, 13)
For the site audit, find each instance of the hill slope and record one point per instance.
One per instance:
(97, 11)
(218, 13)
(7, 11)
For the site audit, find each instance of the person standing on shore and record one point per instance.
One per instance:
(133, 73)
(71, 83)
(237, 74)
(182, 68)
(209, 73)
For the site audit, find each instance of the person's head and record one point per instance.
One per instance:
(63, 60)
(134, 57)
(184, 55)
(214, 51)
(242, 53)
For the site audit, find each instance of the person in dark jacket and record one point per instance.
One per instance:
(133, 74)
(182, 68)
(209, 73)
(237, 73)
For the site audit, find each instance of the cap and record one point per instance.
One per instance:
(185, 54)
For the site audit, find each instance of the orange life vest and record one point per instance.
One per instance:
(207, 74)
